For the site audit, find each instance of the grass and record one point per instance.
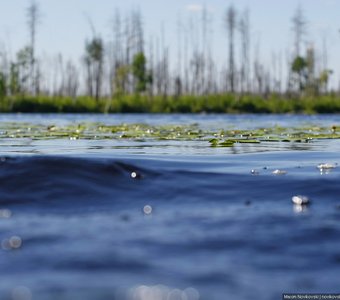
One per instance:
(219, 103)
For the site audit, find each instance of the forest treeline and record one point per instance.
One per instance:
(130, 73)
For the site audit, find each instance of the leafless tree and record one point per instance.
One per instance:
(244, 28)
(231, 23)
(33, 16)
(72, 80)
(299, 28)
(94, 61)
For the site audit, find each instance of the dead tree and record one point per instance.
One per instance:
(244, 29)
(33, 15)
(299, 29)
(230, 20)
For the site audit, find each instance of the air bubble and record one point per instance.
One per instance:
(13, 243)
(147, 209)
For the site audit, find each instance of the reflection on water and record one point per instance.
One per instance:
(160, 292)
(300, 208)
(105, 147)
(209, 121)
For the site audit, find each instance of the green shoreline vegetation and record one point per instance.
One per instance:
(222, 103)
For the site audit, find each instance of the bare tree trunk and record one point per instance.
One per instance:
(245, 46)
(299, 28)
(33, 18)
(231, 25)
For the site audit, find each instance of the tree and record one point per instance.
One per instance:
(324, 78)
(140, 73)
(120, 79)
(299, 29)
(22, 68)
(197, 64)
(72, 80)
(299, 67)
(311, 82)
(245, 45)
(33, 15)
(116, 53)
(94, 56)
(3, 85)
(14, 79)
(299, 64)
(230, 20)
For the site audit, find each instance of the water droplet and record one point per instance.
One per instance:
(21, 293)
(142, 292)
(15, 242)
(147, 209)
(279, 172)
(175, 294)
(300, 200)
(5, 213)
(326, 166)
(5, 244)
(191, 294)
(135, 175)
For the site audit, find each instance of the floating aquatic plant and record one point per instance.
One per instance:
(143, 132)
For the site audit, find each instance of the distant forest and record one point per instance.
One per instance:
(128, 66)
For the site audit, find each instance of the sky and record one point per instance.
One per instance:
(64, 24)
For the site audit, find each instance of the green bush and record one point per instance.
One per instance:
(139, 103)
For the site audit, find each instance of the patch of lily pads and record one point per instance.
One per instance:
(275, 135)
(143, 132)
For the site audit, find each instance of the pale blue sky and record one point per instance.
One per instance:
(63, 27)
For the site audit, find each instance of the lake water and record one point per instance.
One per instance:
(126, 219)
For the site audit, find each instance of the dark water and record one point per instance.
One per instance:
(102, 220)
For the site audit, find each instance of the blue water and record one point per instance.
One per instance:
(127, 220)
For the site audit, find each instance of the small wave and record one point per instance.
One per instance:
(47, 179)
(71, 181)
(89, 225)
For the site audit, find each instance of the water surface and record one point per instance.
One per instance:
(114, 219)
